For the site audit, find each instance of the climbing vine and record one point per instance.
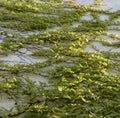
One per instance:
(79, 83)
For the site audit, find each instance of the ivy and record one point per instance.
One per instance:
(80, 83)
